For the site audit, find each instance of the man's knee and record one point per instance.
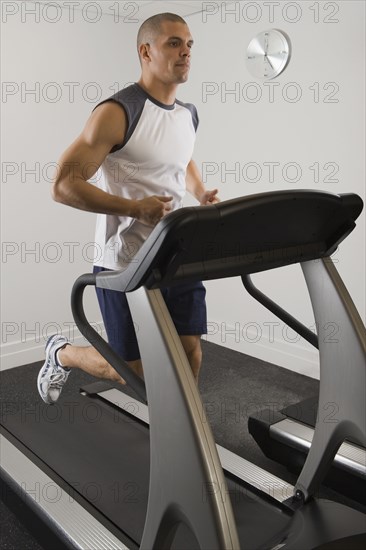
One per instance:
(136, 366)
(192, 347)
(195, 354)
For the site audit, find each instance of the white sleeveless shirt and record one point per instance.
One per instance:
(152, 160)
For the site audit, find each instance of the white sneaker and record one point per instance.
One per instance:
(52, 376)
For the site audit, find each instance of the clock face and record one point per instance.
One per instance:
(268, 54)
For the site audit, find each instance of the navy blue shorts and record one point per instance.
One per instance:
(186, 304)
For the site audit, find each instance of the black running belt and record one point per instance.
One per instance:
(89, 444)
(103, 455)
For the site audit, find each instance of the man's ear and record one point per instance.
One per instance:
(144, 51)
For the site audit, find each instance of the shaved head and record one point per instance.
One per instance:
(151, 28)
(164, 44)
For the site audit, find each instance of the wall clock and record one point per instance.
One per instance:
(268, 54)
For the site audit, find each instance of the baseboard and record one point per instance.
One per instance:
(15, 354)
(273, 343)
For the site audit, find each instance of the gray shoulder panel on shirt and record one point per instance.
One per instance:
(132, 100)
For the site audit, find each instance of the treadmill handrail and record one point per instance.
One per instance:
(96, 339)
(235, 237)
(281, 313)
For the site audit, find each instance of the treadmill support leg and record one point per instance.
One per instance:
(187, 484)
(342, 350)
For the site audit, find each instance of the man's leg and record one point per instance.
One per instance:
(192, 347)
(62, 357)
(91, 361)
(187, 306)
(66, 357)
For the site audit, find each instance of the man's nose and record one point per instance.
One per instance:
(185, 51)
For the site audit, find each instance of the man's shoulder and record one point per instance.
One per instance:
(129, 98)
(129, 93)
(192, 109)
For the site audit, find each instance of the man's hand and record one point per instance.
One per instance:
(209, 197)
(151, 209)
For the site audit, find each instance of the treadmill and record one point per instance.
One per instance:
(107, 471)
(285, 436)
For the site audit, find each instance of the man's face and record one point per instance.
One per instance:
(170, 52)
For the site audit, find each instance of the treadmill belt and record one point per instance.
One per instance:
(79, 440)
(88, 443)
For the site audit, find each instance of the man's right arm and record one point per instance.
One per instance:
(105, 128)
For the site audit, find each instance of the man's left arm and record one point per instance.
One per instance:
(196, 187)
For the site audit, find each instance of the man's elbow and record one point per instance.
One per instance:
(59, 192)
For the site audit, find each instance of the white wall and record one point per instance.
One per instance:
(311, 132)
(86, 62)
(234, 131)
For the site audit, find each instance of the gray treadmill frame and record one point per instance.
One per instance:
(342, 372)
(188, 442)
(199, 495)
(350, 458)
